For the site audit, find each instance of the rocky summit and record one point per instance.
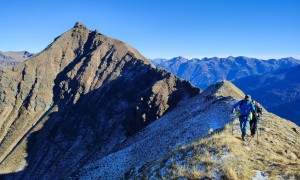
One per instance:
(76, 101)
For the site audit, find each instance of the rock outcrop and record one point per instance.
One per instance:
(76, 100)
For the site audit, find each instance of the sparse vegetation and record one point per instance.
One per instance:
(223, 154)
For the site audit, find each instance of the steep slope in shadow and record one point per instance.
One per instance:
(190, 120)
(81, 96)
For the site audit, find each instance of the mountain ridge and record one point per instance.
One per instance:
(221, 153)
(202, 72)
(89, 106)
(191, 119)
(61, 103)
(206, 71)
(192, 140)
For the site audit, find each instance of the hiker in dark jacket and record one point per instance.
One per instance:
(246, 109)
(255, 117)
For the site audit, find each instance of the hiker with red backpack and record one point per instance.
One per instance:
(256, 117)
(246, 109)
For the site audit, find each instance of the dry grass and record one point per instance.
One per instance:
(180, 171)
(276, 152)
(195, 174)
(229, 174)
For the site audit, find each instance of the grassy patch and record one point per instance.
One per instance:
(224, 154)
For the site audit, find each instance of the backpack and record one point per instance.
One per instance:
(239, 114)
(258, 108)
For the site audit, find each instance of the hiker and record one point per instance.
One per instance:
(246, 109)
(255, 117)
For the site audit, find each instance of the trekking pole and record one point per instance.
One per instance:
(232, 128)
(232, 123)
(257, 133)
(260, 130)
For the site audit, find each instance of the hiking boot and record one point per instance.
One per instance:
(252, 135)
(243, 138)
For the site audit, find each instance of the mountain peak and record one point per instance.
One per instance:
(80, 25)
(87, 79)
(224, 88)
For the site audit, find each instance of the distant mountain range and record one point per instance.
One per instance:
(158, 61)
(206, 71)
(278, 91)
(275, 83)
(11, 58)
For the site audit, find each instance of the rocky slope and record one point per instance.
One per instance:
(76, 101)
(274, 154)
(11, 58)
(279, 91)
(206, 71)
(191, 119)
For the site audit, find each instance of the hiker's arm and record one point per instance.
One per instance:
(235, 106)
(252, 108)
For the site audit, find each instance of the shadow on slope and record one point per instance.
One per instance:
(190, 120)
(76, 130)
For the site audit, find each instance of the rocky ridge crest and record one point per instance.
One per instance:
(76, 100)
(221, 154)
(192, 119)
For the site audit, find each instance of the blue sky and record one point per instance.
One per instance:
(161, 28)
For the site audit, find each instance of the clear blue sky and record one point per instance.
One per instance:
(161, 28)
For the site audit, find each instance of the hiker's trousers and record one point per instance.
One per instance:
(244, 123)
(253, 124)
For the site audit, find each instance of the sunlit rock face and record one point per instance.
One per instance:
(76, 100)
